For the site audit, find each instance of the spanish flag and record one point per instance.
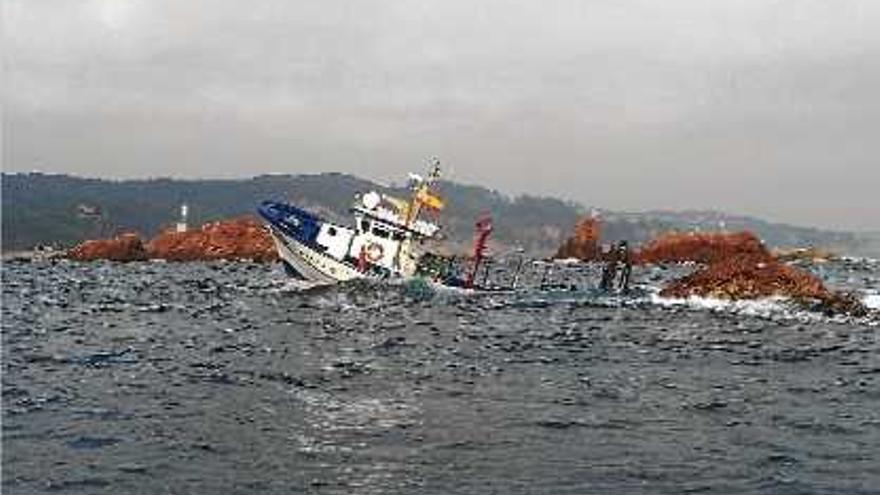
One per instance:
(429, 200)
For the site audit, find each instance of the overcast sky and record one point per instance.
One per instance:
(764, 107)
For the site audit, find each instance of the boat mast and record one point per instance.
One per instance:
(421, 193)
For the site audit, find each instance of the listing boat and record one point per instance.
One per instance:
(387, 241)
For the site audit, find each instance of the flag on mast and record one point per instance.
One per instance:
(429, 200)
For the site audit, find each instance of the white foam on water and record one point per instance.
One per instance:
(776, 307)
(861, 259)
(567, 261)
(288, 284)
(754, 307)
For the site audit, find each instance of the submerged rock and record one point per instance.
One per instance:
(125, 247)
(584, 244)
(709, 247)
(239, 238)
(837, 303)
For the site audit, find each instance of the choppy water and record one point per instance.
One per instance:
(223, 378)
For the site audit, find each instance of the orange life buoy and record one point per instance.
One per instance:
(374, 252)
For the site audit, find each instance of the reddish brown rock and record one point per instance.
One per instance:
(747, 277)
(584, 244)
(240, 238)
(757, 276)
(701, 247)
(125, 247)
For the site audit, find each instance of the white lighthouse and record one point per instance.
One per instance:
(184, 211)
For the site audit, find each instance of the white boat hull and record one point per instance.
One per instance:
(310, 264)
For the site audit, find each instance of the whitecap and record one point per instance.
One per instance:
(752, 307)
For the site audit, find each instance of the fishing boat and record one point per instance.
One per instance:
(387, 240)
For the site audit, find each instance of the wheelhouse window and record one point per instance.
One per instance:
(331, 231)
(380, 232)
(365, 225)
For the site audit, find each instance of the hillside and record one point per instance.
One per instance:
(60, 209)
(39, 208)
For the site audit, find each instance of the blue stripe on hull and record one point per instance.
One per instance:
(295, 222)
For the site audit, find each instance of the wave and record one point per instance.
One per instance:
(776, 307)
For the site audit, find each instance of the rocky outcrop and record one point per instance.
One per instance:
(240, 238)
(125, 247)
(747, 277)
(701, 248)
(752, 276)
(584, 244)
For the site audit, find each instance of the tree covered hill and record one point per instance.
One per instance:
(40, 208)
(61, 209)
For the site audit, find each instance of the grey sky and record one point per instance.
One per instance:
(752, 106)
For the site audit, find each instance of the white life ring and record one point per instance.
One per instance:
(374, 252)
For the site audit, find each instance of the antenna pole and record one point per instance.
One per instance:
(483, 229)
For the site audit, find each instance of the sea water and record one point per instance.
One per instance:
(230, 378)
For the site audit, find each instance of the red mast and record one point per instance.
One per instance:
(483, 228)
